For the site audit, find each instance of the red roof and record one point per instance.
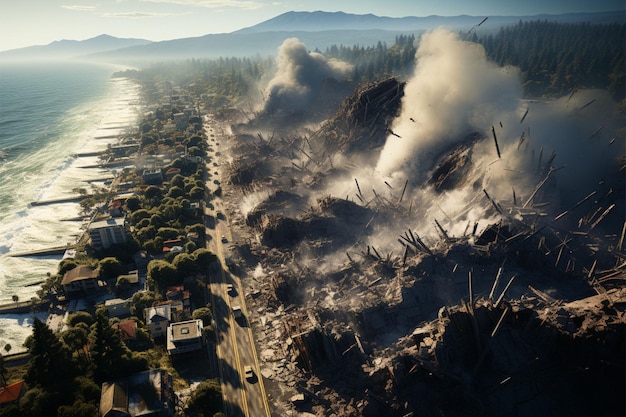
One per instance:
(11, 392)
(115, 204)
(127, 328)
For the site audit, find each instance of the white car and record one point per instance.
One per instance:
(248, 372)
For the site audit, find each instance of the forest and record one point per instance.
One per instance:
(554, 59)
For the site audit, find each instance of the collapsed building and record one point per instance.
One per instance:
(464, 281)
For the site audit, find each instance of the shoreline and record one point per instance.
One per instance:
(16, 318)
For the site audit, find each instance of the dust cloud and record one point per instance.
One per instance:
(299, 76)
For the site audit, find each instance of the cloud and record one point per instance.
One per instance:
(215, 4)
(79, 8)
(139, 15)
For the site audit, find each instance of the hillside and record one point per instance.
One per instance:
(318, 30)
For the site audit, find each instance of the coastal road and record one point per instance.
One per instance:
(235, 348)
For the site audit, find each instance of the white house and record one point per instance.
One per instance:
(157, 319)
(184, 337)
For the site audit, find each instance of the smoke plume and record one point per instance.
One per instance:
(455, 90)
(299, 76)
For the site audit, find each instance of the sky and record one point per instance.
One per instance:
(39, 22)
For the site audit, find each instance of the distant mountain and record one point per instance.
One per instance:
(322, 21)
(316, 29)
(66, 49)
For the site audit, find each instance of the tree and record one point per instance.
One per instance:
(15, 299)
(76, 338)
(77, 409)
(110, 357)
(50, 366)
(143, 300)
(109, 268)
(3, 371)
(37, 402)
(161, 274)
(204, 314)
(122, 284)
(185, 265)
(133, 203)
(153, 193)
(79, 317)
(204, 258)
(206, 400)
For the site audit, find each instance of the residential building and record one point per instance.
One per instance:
(184, 337)
(118, 307)
(179, 293)
(109, 232)
(10, 394)
(128, 332)
(145, 394)
(115, 208)
(81, 280)
(157, 319)
(152, 176)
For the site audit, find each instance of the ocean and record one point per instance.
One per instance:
(48, 113)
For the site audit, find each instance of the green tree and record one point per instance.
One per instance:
(143, 300)
(133, 203)
(196, 193)
(206, 400)
(185, 265)
(77, 409)
(204, 314)
(66, 265)
(51, 365)
(161, 274)
(109, 268)
(79, 317)
(139, 215)
(204, 258)
(76, 338)
(110, 357)
(37, 402)
(153, 193)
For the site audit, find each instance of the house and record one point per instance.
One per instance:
(82, 279)
(109, 232)
(157, 319)
(118, 307)
(148, 393)
(178, 293)
(177, 310)
(11, 393)
(184, 337)
(127, 330)
(132, 277)
(115, 208)
(152, 176)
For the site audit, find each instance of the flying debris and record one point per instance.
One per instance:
(475, 26)
(393, 133)
(495, 139)
(525, 114)
(587, 105)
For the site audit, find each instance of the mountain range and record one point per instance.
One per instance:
(316, 29)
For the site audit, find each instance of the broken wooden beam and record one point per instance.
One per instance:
(495, 139)
(508, 285)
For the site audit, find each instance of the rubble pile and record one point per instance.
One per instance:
(521, 357)
(522, 317)
(363, 119)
